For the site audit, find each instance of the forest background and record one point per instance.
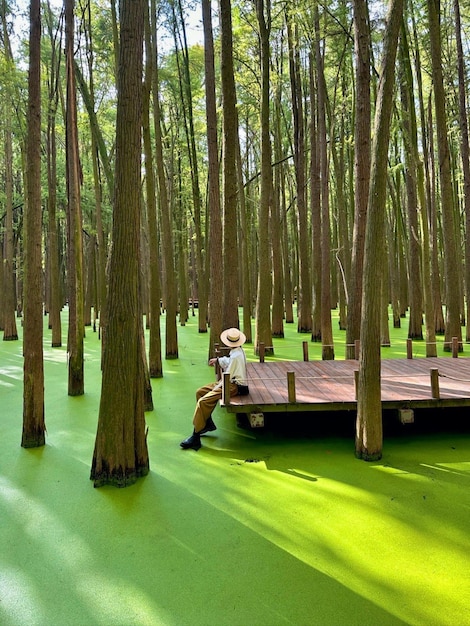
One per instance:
(142, 173)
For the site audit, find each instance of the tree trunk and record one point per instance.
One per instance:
(416, 165)
(369, 405)
(264, 292)
(51, 151)
(155, 341)
(465, 151)
(230, 121)
(304, 297)
(315, 203)
(362, 157)
(121, 455)
(276, 229)
(411, 166)
(434, 227)
(33, 390)
(451, 256)
(169, 287)
(245, 239)
(10, 332)
(328, 352)
(74, 224)
(215, 219)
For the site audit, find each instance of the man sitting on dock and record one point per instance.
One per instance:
(208, 395)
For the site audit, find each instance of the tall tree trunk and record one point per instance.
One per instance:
(214, 252)
(120, 455)
(343, 269)
(230, 121)
(246, 230)
(328, 351)
(362, 158)
(51, 152)
(155, 341)
(74, 225)
(276, 230)
(315, 203)
(434, 227)
(465, 151)
(304, 297)
(452, 297)
(100, 251)
(369, 405)
(10, 332)
(170, 286)
(187, 103)
(264, 292)
(33, 384)
(411, 166)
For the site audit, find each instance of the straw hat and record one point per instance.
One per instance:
(232, 337)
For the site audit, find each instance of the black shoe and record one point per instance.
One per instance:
(208, 427)
(194, 442)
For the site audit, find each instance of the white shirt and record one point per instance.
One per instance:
(235, 365)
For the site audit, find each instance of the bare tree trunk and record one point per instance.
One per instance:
(434, 227)
(465, 151)
(120, 455)
(155, 341)
(246, 235)
(74, 225)
(451, 257)
(276, 229)
(362, 142)
(33, 390)
(315, 203)
(304, 297)
(215, 219)
(264, 292)
(10, 332)
(369, 405)
(230, 120)
(328, 351)
(97, 148)
(411, 166)
(51, 151)
(169, 287)
(415, 169)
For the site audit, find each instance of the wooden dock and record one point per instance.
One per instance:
(293, 386)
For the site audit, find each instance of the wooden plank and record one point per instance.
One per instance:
(329, 385)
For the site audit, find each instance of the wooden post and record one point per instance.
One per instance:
(356, 381)
(409, 348)
(455, 347)
(226, 388)
(435, 383)
(305, 350)
(217, 368)
(291, 386)
(261, 352)
(357, 347)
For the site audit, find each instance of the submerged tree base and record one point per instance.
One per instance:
(368, 456)
(33, 441)
(118, 477)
